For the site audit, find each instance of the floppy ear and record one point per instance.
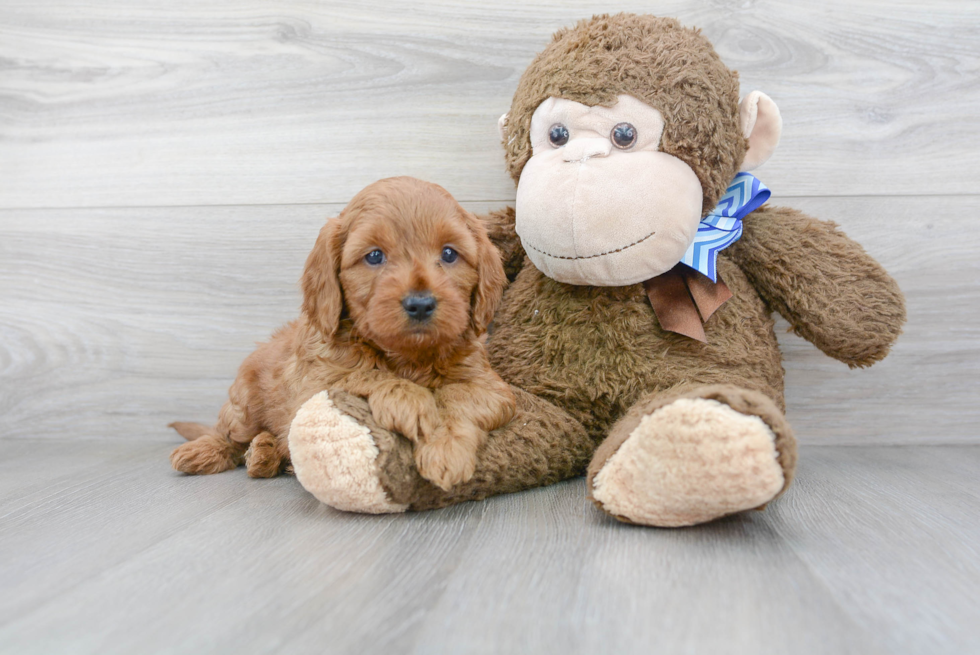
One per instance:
(322, 297)
(761, 125)
(490, 277)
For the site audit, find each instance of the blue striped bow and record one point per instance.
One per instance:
(723, 226)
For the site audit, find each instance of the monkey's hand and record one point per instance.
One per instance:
(832, 292)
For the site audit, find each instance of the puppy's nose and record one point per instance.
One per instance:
(419, 306)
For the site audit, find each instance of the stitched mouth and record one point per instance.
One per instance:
(601, 254)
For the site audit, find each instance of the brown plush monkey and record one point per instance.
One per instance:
(661, 378)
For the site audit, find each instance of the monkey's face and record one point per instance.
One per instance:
(598, 203)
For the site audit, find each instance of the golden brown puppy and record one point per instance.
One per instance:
(396, 294)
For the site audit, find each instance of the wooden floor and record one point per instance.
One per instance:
(106, 550)
(164, 170)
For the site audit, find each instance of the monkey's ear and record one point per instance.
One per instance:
(761, 125)
(502, 127)
(322, 297)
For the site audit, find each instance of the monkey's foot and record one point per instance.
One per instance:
(688, 462)
(336, 459)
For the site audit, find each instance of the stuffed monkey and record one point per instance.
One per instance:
(644, 270)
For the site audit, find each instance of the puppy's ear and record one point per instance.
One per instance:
(323, 299)
(491, 277)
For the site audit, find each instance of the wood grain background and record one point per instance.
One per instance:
(164, 170)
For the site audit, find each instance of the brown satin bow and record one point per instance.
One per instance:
(683, 299)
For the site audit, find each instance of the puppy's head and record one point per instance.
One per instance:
(408, 264)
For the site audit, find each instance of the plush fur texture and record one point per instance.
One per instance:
(336, 458)
(692, 448)
(594, 364)
(743, 401)
(656, 60)
(595, 351)
(427, 378)
(832, 293)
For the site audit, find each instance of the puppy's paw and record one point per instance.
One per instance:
(262, 460)
(203, 456)
(446, 460)
(405, 407)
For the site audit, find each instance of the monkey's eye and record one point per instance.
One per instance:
(623, 136)
(558, 135)
(375, 258)
(449, 255)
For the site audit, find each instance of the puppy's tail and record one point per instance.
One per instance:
(191, 431)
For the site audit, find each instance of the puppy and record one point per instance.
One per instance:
(396, 294)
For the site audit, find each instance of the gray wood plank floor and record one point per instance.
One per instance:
(104, 549)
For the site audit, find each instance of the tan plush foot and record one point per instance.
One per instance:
(689, 462)
(334, 459)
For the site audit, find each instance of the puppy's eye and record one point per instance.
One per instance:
(623, 136)
(449, 255)
(558, 135)
(375, 258)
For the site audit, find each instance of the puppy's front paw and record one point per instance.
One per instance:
(446, 460)
(405, 407)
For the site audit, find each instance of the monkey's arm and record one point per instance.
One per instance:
(500, 229)
(831, 291)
